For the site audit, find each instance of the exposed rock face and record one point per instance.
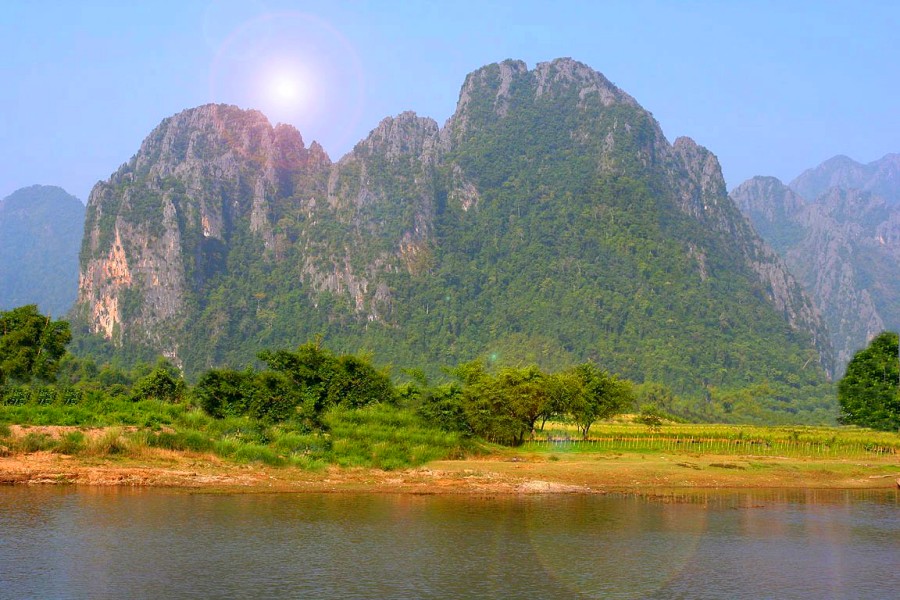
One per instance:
(383, 194)
(161, 229)
(156, 231)
(40, 233)
(842, 246)
(549, 211)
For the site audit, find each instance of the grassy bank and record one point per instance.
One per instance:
(378, 436)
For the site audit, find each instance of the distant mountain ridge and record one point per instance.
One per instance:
(549, 220)
(40, 236)
(842, 243)
(880, 177)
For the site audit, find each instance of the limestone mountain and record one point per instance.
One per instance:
(843, 244)
(548, 220)
(881, 177)
(40, 234)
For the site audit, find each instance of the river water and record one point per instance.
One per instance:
(68, 542)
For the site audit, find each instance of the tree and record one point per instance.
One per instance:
(164, 383)
(598, 395)
(31, 345)
(869, 393)
(224, 392)
(503, 408)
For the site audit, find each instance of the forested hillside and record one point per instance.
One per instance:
(40, 234)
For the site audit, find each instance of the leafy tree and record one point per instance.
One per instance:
(310, 369)
(224, 392)
(651, 416)
(503, 408)
(302, 385)
(443, 406)
(868, 393)
(598, 395)
(31, 345)
(356, 383)
(164, 383)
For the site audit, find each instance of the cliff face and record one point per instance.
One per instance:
(842, 245)
(548, 220)
(158, 231)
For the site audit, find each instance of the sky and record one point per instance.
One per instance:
(772, 88)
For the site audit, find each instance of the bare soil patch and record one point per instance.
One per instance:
(584, 473)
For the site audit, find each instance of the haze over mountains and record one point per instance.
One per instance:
(837, 226)
(40, 235)
(548, 220)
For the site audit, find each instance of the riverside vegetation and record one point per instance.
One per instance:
(310, 408)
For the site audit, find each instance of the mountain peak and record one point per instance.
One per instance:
(549, 212)
(41, 227)
(223, 131)
(880, 176)
(405, 134)
(564, 73)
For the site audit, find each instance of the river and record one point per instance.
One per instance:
(70, 542)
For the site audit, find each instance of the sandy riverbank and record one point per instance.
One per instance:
(510, 473)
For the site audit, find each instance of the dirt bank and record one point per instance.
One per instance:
(506, 474)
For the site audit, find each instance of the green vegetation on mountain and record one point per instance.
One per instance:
(40, 234)
(548, 223)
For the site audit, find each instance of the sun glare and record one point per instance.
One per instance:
(293, 67)
(285, 88)
(285, 93)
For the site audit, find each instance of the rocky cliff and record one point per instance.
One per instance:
(549, 219)
(842, 245)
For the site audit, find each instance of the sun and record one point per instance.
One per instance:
(284, 88)
(285, 92)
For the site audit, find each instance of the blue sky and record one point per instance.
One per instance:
(770, 87)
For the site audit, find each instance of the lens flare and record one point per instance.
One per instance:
(286, 88)
(296, 69)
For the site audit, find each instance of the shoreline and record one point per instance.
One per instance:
(496, 474)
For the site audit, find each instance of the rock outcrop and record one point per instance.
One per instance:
(842, 244)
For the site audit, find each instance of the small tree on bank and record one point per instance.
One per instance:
(31, 345)
(596, 395)
(869, 394)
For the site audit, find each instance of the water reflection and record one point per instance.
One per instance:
(99, 543)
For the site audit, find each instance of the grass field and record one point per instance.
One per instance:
(744, 440)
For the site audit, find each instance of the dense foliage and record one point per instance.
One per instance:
(300, 385)
(31, 345)
(869, 393)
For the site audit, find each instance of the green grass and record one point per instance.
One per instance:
(380, 436)
(388, 437)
